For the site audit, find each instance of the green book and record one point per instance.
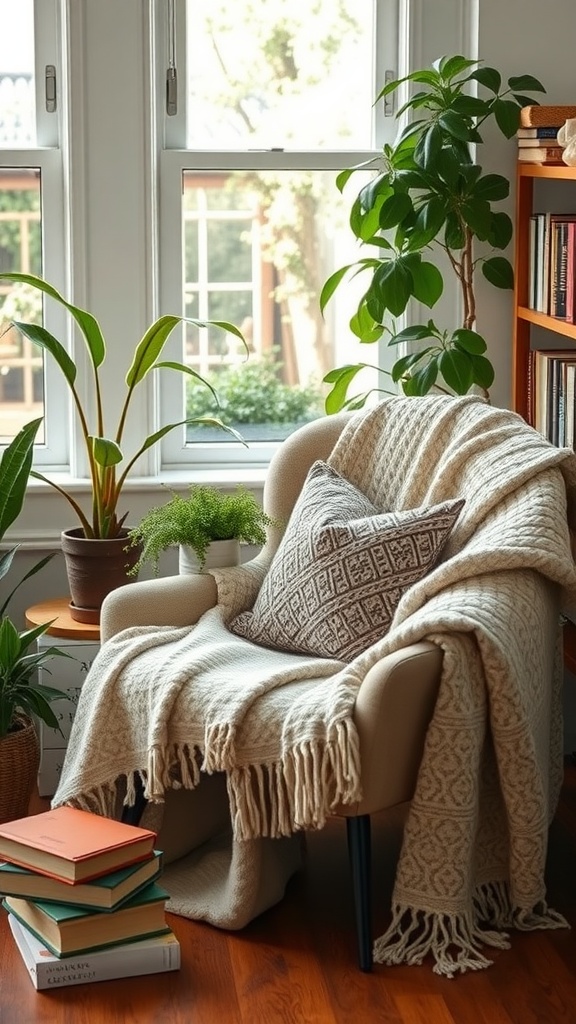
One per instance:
(68, 930)
(106, 893)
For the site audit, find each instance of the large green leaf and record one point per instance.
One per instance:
(428, 221)
(87, 323)
(394, 210)
(15, 468)
(428, 147)
(106, 452)
(470, 341)
(526, 82)
(392, 283)
(470, 106)
(427, 283)
(331, 285)
(340, 378)
(364, 327)
(416, 332)
(421, 381)
(501, 230)
(405, 363)
(507, 116)
(477, 214)
(456, 368)
(40, 336)
(492, 187)
(499, 272)
(488, 77)
(451, 66)
(455, 125)
(482, 371)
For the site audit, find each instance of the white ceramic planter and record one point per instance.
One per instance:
(220, 554)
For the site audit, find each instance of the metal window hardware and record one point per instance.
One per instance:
(50, 87)
(171, 92)
(389, 101)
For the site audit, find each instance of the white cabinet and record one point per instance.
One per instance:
(68, 675)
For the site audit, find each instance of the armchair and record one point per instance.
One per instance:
(394, 703)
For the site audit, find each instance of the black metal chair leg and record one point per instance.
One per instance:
(131, 815)
(359, 851)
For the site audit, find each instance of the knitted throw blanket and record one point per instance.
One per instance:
(170, 704)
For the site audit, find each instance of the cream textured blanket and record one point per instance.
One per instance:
(171, 704)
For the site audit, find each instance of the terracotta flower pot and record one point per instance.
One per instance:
(95, 568)
(19, 763)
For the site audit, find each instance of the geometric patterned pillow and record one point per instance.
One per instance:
(341, 569)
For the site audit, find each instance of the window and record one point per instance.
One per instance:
(31, 214)
(273, 100)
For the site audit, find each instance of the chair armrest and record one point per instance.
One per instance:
(392, 712)
(167, 601)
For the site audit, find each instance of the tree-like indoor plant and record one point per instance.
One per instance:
(430, 194)
(197, 523)
(109, 562)
(21, 695)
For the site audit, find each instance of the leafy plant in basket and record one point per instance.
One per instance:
(430, 195)
(21, 696)
(197, 519)
(103, 448)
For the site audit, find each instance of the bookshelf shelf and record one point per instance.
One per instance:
(526, 319)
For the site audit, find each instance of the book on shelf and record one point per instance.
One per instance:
(541, 115)
(73, 845)
(543, 132)
(68, 930)
(105, 893)
(543, 143)
(553, 394)
(145, 956)
(552, 264)
(541, 155)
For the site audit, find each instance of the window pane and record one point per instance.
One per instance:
(17, 91)
(265, 243)
(286, 73)
(21, 365)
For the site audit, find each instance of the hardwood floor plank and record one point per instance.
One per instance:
(296, 964)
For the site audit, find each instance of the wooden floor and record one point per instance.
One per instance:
(296, 963)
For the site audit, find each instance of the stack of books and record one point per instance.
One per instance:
(537, 134)
(83, 898)
(552, 265)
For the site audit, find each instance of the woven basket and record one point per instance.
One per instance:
(19, 763)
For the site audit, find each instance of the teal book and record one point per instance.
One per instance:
(68, 930)
(106, 893)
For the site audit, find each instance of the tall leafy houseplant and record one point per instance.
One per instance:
(429, 195)
(103, 447)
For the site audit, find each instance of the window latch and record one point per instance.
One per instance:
(50, 87)
(389, 100)
(171, 92)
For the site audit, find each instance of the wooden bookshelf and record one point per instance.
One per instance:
(525, 319)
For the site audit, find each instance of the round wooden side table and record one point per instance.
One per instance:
(64, 626)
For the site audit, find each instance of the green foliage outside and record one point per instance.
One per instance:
(204, 515)
(252, 392)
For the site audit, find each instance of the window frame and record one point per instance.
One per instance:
(173, 159)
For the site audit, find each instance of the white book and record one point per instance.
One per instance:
(144, 956)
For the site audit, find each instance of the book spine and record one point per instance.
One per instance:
(561, 269)
(546, 143)
(543, 154)
(131, 962)
(544, 132)
(570, 272)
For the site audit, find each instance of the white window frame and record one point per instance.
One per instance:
(173, 160)
(46, 156)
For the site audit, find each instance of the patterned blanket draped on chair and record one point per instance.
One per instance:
(169, 704)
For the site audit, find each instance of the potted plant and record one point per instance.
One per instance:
(430, 194)
(200, 523)
(101, 537)
(21, 695)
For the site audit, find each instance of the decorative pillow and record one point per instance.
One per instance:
(341, 569)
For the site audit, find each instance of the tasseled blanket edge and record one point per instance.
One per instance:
(273, 799)
(455, 940)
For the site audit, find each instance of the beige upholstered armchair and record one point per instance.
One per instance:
(394, 703)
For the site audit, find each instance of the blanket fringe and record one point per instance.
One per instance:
(298, 792)
(454, 940)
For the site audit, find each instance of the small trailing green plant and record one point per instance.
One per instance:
(203, 515)
(20, 693)
(430, 191)
(103, 451)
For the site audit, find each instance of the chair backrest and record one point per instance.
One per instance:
(289, 467)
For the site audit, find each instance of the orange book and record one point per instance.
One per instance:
(73, 845)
